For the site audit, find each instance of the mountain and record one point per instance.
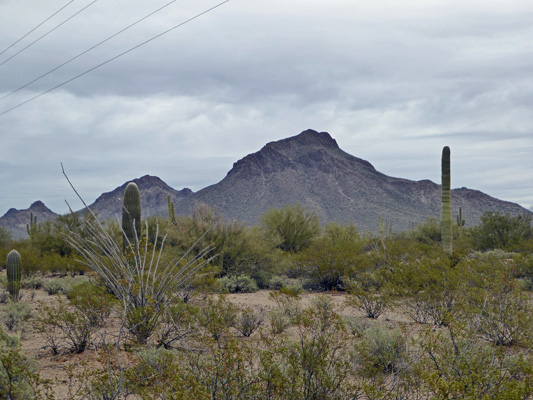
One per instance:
(154, 195)
(312, 170)
(309, 169)
(16, 220)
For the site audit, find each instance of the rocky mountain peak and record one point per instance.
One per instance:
(307, 138)
(39, 206)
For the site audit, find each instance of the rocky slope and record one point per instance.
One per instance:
(312, 170)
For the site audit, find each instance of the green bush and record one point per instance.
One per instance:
(19, 377)
(238, 284)
(217, 316)
(249, 320)
(32, 282)
(502, 231)
(454, 365)
(381, 351)
(370, 293)
(64, 284)
(291, 228)
(75, 322)
(15, 314)
(178, 322)
(330, 259)
(278, 282)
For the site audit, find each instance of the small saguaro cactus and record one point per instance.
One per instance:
(131, 216)
(460, 219)
(13, 274)
(31, 228)
(446, 203)
(171, 212)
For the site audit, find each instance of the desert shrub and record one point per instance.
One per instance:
(282, 281)
(525, 272)
(454, 364)
(332, 257)
(381, 350)
(500, 312)
(32, 282)
(237, 248)
(291, 228)
(502, 231)
(249, 320)
(428, 289)
(62, 324)
(178, 322)
(217, 316)
(4, 296)
(63, 285)
(15, 314)
(19, 377)
(369, 293)
(279, 322)
(428, 231)
(356, 326)
(5, 236)
(210, 371)
(315, 364)
(238, 284)
(94, 301)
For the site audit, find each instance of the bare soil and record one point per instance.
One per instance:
(61, 368)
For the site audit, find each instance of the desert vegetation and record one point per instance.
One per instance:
(199, 307)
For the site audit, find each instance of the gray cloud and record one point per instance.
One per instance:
(392, 83)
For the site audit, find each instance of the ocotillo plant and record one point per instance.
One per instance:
(171, 212)
(13, 274)
(446, 203)
(131, 216)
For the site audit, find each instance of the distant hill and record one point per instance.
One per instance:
(309, 169)
(312, 170)
(17, 220)
(154, 195)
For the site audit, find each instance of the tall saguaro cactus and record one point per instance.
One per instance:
(131, 215)
(13, 274)
(446, 203)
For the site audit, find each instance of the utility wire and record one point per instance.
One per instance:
(88, 50)
(115, 57)
(47, 33)
(14, 43)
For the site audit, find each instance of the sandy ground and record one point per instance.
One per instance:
(56, 367)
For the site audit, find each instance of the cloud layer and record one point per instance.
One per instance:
(392, 82)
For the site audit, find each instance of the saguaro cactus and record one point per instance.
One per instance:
(31, 228)
(13, 274)
(446, 203)
(460, 219)
(131, 215)
(171, 212)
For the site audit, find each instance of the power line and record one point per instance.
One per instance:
(88, 50)
(47, 33)
(115, 57)
(14, 43)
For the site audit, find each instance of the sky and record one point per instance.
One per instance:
(186, 92)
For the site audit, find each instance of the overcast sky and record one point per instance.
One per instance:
(393, 81)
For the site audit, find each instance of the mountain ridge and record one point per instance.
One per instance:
(312, 170)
